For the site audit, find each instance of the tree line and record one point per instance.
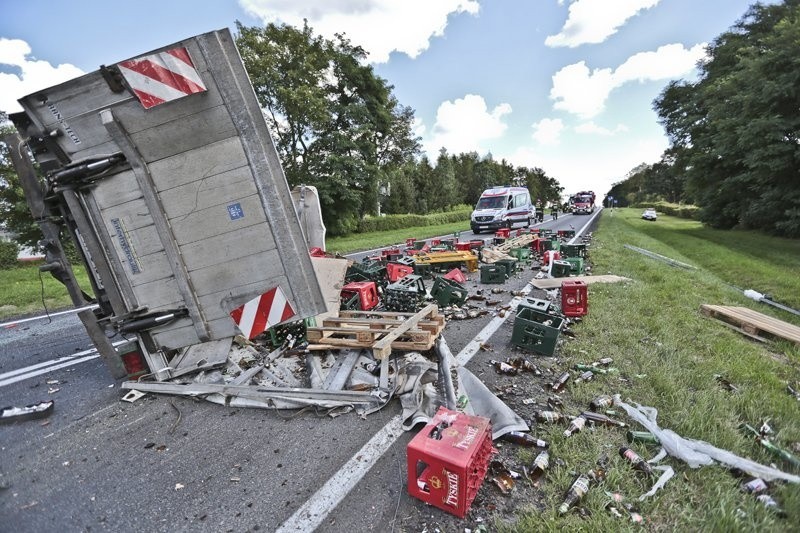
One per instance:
(735, 132)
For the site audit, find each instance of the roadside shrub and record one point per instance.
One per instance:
(394, 222)
(9, 250)
(687, 211)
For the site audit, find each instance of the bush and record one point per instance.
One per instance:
(393, 222)
(9, 251)
(676, 210)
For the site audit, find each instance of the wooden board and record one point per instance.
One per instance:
(752, 323)
(379, 331)
(553, 283)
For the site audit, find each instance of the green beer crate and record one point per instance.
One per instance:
(573, 250)
(535, 331)
(521, 254)
(448, 292)
(576, 265)
(542, 306)
(561, 269)
(493, 274)
(509, 264)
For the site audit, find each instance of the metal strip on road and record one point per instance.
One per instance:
(316, 509)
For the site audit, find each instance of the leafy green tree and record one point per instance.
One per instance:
(735, 131)
(337, 125)
(15, 215)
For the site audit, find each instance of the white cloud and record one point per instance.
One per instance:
(379, 26)
(463, 124)
(582, 92)
(593, 21)
(590, 128)
(547, 131)
(28, 74)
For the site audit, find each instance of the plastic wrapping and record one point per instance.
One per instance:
(698, 453)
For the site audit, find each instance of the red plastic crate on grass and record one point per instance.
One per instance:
(448, 460)
(574, 298)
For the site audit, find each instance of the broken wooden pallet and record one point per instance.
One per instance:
(515, 242)
(380, 331)
(752, 323)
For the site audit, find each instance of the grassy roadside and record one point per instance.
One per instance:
(368, 241)
(668, 355)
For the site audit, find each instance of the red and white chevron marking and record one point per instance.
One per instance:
(262, 312)
(162, 77)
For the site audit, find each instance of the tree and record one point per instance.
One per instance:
(735, 131)
(15, 215)
(337, 124)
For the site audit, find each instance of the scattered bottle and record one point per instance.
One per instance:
(538, 467)
(575, 426)
(561, 382)
(548, 416)
(775, 450)
(555, 401)
(755, 485)
(642, 436)
(596, 370)
(521, 363)
(586, 376)
(599, 418)
(605, 361)
(725, 384)
(577, 491)
(504, 368)
(601, 402)
(636, 461)
(768, 502)
(525, 439)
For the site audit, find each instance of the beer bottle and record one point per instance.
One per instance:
(523, 364)
(768, 502)
(601, 402)
(555, 401)
(503, 368)
(560, 382)
(548, 416)
(755, 485)
(596, 370)
(637, 462)
(575, 426)
(605, 361)
(578, 489)
(586, 376)
(642, 436)
(525, 439)
(539, 466)
(598, 418)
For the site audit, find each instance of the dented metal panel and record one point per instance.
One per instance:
(199, 216)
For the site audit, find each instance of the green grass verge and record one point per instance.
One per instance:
(26, 291)
(668, 355)
(368, 241)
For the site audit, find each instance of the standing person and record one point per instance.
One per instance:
(554, 211)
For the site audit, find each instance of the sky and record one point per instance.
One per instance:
(563, 85)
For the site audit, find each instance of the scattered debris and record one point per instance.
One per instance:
(29, 412)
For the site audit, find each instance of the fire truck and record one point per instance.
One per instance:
(582, 203)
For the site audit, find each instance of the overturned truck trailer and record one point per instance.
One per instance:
(163, 171)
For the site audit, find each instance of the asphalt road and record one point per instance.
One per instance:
(173, 464)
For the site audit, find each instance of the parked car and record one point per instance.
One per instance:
(649, 214)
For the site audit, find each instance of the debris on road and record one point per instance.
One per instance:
(29, 412)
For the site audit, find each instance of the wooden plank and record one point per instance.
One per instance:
(752, 323)
(553, 283)
(382, 348)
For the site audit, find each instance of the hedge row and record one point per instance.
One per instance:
(675, 210)
(8, 254)
(393, 222)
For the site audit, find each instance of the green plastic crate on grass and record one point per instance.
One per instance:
(560, 269)
(448, 292)
(493, 274)
(576, 265)
(535, 331)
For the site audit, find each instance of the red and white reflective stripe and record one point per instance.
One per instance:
(162, 77)
(263, 312)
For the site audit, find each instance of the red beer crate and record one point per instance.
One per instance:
(397, 271)
(367, 294)
(503, 233)
(574, 298)
(463, 246)
(448, 460)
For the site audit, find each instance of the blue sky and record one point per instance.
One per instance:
(563, 85)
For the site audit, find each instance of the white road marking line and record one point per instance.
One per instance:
(33, 374)
(316, 509)
(40, 317)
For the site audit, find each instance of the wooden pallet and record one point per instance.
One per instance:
(380, 331)
(752, 323)
(469, 259)
(515, 242)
